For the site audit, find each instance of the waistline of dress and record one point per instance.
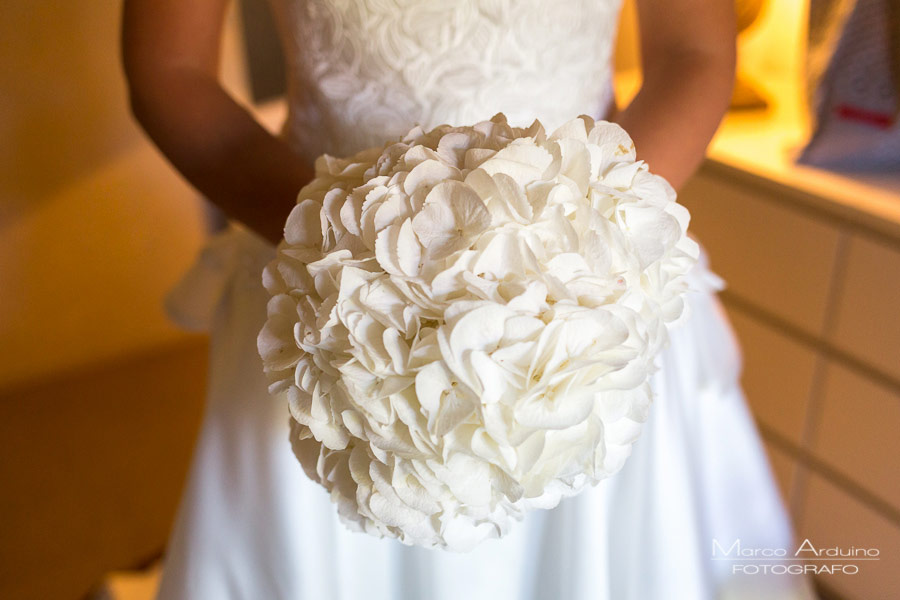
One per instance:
(229, 256)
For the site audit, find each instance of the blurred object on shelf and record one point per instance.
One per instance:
(745, 95)
(853, 84)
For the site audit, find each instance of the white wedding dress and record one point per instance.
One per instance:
(252, 526)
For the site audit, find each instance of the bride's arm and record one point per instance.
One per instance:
(171, 57)
(687, 58)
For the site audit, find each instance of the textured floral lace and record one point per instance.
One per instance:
(364, 71)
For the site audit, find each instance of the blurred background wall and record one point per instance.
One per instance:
(100, 395)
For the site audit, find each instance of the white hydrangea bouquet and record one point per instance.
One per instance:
(464, 322)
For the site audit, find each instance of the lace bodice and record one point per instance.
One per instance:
(363, 71)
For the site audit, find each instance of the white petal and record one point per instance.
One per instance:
(388, 248)
(479, 329)
(394, 208)
(555, 411)
(502, 256)
(495, 380)
(523, 162)
(428, 174)
(304, 225)
(575, 129)
(409, 252)
(469, 479)
(397, 348)
(613, 141)
(435, 229)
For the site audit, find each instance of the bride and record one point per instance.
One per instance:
(360, 72)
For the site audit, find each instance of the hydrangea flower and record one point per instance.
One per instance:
(464, 322)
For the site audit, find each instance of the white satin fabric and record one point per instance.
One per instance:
(252, 526)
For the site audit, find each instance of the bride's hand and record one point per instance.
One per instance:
(687, 59)
(171, 58)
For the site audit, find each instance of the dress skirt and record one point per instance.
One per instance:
(252, 526)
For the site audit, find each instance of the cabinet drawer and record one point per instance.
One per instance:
(868, 305)
(774, 256)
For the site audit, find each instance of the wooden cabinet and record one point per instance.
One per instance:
(813, 292)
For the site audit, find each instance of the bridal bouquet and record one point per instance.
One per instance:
(464, 322)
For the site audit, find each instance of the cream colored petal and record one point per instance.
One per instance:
(436, 230)
(523, 162)
(501, 257)
(513, 195)
(409, 251)
(427, 174)
(304, 225)
(275, 342)
(475, 157)
(397, 349)
(575, 163)
(468, 479)
(332, 204)
(453, 146)
(613, 141)
(481, 328)
(575, 129)
(496, 381)
(621, 175)
(394, 209)
(555, 411)
(650, 231)
(567, 265)
(386, 250)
